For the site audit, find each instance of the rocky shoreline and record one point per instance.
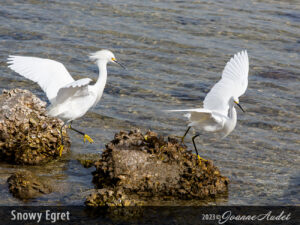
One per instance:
(135, 169)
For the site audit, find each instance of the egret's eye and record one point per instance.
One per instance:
(113, 59)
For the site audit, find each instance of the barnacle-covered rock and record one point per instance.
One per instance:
(27, 134)
(116, 203)
(110, 197)
(143, 167)
(25, 185)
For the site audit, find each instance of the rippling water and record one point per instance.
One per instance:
(174, 53)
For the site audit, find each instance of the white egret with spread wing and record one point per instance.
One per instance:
(218, 113)
(69, 99)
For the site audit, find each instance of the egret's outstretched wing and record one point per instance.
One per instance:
(233, 83)
(49, 74)
(237, 70)
(218, 97)
(78, 88)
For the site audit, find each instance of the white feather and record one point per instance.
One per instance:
(218, 113)
(49, 74)
(69, 99)
(204, 118)
(78, 88)
(233, 83)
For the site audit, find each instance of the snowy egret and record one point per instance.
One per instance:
(69, 99)
(218, 113)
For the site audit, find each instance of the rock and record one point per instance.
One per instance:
(25, 185)
(117, 203)
(27, 134)
(110, 197)
(142, 167)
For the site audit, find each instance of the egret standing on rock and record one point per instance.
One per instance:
(69, 99)
(218, 113)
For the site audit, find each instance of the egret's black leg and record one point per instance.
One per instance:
(193, 139)
(85, 136)
(79, 132)
(182, 139)
(61, 146)
(61, 134)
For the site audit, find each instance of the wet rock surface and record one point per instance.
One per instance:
(27, 134)
(135, 168)
(25, 185)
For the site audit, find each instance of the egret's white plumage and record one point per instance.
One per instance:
(69, 99)
(233, 83)
(218, 113)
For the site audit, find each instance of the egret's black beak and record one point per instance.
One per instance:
(120, 64)
(239, 106)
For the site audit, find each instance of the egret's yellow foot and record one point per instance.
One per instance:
(200, 159)
(60, 149)
(87, 137)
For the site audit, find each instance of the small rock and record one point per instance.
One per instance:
(25, 185)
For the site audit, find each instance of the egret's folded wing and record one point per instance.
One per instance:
(207, 121)
(237, 70)
(204, 118)
(74, 89)
(49, 74)
(233, 83)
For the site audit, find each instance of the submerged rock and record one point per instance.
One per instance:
(87, 160)
(134, 168)
(25, 185)
(27, 134)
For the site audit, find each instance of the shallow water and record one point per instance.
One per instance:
(174, 53)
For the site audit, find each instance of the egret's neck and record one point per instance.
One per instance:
(232, 113)
(231, 121)
(100, 84)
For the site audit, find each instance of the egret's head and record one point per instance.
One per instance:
(104, 55)
(236, 101)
